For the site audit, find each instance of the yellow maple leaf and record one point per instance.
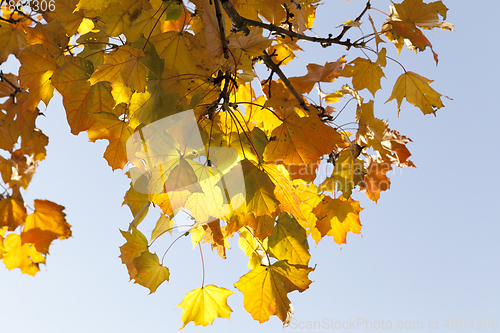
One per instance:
(401, 26)
(252, 44)
(122, 65)
(417, 91)
(147, 23)
(302, 140)
(8, 131)
(203, 305)
(286, 193)
(64, 19)
(150, 273)
(81, 100)
(346, 175)
(12, 41)
(136, 201)
(22, 256)
(119, 17)
(109, 126)
(164, 224)
(336, 217)
(180, 51)
(265, 289)
(317, 73)
(255, 249)
(135, 245)
(365, 74)
(289, 241)
(94, 4)
(12, 212)
(37, 67)
(375, 133)
(45, 224)
(259, 197)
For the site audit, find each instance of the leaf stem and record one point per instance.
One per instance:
(202, 266)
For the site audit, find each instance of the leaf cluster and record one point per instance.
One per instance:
(126, 66)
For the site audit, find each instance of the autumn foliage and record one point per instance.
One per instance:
(121, 65)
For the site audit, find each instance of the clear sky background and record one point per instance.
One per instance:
(429, 249)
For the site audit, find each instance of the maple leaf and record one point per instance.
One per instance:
(336, 217)
(289, 241)
(120, 18)
(376, 179)
(64, 17)
(208, 28)
(150, 273)
(94, 43)
(8, 135)
(254, 249)
(122, 65)
(261, 226)
(302, 141)
(136, 244)
(285, 191)
(417, 91)
(252, 44)
(45, 224)
(147, 24)
(375, 133)
(180, 50)
(365, 74)
(378, 40)
(203, 305)
(12, 212)
(93, 4)
(317, 73)
(37, 67)
(406, 16)
(265, 289)
(22, 256)
(346, 175)
(80, 99)
(109, 126)
(259, 197)
(214, 236)
(163, 225)
(12, 41)
(137, 202)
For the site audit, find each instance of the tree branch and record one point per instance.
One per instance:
(222, 31)
(276, 69)
(241, 24)
(346, 28)
(4, 79)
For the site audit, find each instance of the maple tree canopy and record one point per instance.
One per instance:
(173, 86)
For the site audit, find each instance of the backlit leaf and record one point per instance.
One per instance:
(203, 305)
(417, 91)
(150, 273)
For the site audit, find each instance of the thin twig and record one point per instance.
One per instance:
(346, 28)
(4, 79)
(275, 68)
(222, 30)
(241, 24)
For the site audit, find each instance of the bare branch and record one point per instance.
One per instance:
(346, 28)
(276, 69)
(241, 24)
(222, 31)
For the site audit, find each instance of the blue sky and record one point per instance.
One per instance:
(429, 249)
